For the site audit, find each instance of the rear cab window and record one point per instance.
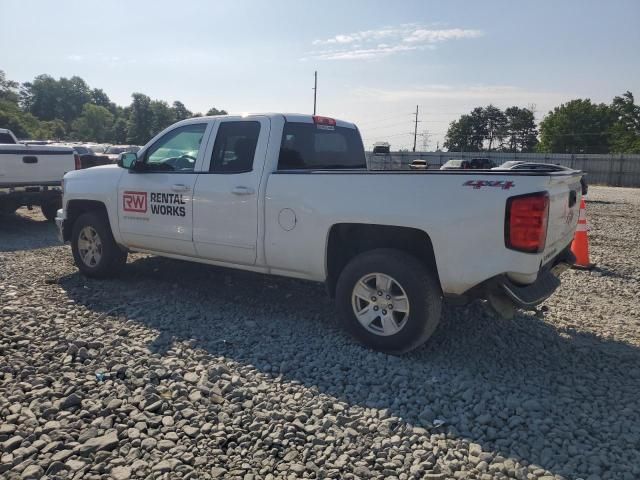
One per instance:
(309, 146)
(5, 138)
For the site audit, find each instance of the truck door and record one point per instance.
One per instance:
(155, 202)
(226, 198)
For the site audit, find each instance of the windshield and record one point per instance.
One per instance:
(453, 163)
(115, 150)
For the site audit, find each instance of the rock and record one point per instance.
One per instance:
(191, 377)
(154, 407)
(55, 467)
(218, 472)
(71, 401)
(13, 443)
(165, 465)
(51, 425)
(75, 465)
(97, 444)
(475, 449)
(190, 431)
(32, 472)
(167, 421)
(121, 473)
(62, 455)
(149, 443)
(114, 404)
(164, 445)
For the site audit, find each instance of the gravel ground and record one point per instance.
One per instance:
(178, 370)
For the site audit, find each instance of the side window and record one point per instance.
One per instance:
(177, 150)
(235, 147)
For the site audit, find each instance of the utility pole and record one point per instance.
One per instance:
(415, 131)
(315, 90)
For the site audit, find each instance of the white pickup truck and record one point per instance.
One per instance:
(32, 174)
(290, 195)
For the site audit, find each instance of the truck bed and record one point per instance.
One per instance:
(463, 212)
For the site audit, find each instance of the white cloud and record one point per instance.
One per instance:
(432, 36)
(386, 41)
(74, 57)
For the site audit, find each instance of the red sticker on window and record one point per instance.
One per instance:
(134, 202)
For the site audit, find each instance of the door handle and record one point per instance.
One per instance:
(30, 159)
(179, 187)
(241, 190)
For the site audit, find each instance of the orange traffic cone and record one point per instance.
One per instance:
(580, 244)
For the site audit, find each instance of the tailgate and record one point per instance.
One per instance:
(565, 194)
(25, 165)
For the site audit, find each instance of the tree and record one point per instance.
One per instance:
(95, 123)
(459, 135)
(8, 89)
(215, 111)
(522, 135)
(100, 98)
(13, 118)
(118, 132)
(578, 126)
(48, 98)
(180, 112)
(162, 116)
(495, 122)
(469, 132)
(625, 133)
(139, 127)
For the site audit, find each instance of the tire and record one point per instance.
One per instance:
(406, 325)
(99, 258)
(7, 209)
(50, 209)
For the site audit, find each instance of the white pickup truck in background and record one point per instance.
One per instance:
(290, 195)
(32, 174)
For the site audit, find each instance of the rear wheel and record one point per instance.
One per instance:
(388, 300)
(95, 252)
(50, 209)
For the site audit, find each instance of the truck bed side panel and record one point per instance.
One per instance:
(463, 214)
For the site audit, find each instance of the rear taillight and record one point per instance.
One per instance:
(76, 161)
(526, 222)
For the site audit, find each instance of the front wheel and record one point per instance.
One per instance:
(95, 252)
(389, 300)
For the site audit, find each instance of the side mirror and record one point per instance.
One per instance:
(128, 160)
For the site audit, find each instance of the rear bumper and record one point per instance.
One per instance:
(528, 296)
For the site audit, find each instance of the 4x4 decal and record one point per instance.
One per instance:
(478, 184)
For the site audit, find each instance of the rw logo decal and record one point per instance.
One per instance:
(478, 184)
(134, 202)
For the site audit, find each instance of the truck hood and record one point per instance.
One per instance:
(99, 176)
(101, 173)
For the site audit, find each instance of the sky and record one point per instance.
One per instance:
(376, 60)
